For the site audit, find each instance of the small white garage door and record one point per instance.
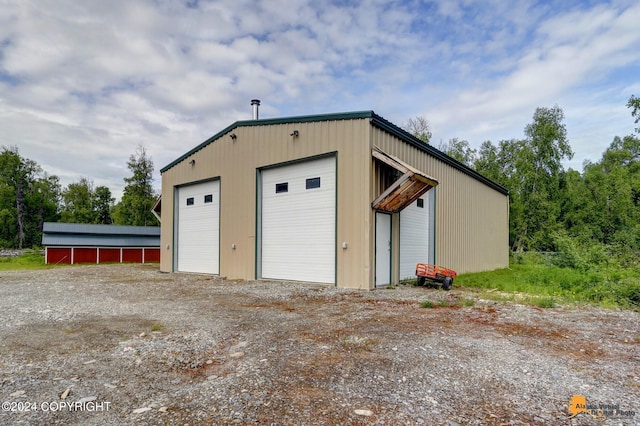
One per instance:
(198, 231)
(416, 235)
(299, 221)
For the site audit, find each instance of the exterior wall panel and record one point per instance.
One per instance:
(109, 255)
(85, 255)
(151, 255)
(58, 255)
(131, 255)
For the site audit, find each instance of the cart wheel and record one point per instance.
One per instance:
(421, 281)
(447, 283)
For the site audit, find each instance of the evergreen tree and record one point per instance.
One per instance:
(138, 197)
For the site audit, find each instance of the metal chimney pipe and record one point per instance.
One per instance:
(255, 103)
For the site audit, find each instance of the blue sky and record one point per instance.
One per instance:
(82, 83)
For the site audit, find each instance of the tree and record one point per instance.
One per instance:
(634, 104)
(138, 197)
(103, 204)
(28, 197)
(18, 174)
(44, 205)
(487, 162)
(78, 202)
(539, 165)
(460, 150)
(419, 127)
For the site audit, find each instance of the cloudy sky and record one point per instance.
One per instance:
(82, 83)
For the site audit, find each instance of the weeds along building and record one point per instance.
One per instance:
(347, 199)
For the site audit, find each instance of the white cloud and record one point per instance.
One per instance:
(82, 83)
(566, 54)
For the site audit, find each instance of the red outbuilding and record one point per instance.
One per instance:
(74, 243)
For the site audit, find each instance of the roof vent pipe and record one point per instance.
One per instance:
(255, 103)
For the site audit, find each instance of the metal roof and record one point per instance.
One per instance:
(80, 234)
(375, 120)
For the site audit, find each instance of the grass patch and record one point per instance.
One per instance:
(468, 302)
(409, 281)
(606, 286)
(156, 326)
(541, 302)
(427, 304)
(28, 260)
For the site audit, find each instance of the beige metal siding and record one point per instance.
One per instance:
(471, 218)
(236, 164)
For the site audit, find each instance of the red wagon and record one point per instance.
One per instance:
(435, 273)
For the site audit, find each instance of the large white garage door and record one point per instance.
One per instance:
(199, 227)
(299, 221)
(416, 235)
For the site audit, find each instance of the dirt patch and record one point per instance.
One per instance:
(129, 345)
(36, 341)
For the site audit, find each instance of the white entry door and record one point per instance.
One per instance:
(383, 249)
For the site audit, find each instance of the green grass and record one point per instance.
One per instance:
(548, 284)
(156, 326)
(427, 304)
(29, 260)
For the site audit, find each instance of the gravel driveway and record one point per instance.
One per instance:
(121, 344)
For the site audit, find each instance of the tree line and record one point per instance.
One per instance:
(550, 207)
(29, 196)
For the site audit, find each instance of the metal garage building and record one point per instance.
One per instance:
(347, 199)
(72, 243)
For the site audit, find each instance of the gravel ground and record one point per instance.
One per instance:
(121, 344)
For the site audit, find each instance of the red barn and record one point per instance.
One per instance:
(73, 243)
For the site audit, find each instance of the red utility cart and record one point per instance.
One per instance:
(435, 273)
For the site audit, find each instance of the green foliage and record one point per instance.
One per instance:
(29, 260)
(419, 127)
(84, 204)
(468, 302)
(460, 150)
(28, 198)
(603, 282)
(578, 214)
(102, 205)
(428, 304)
(634, 105)
(541, 302)
(77, 201)
(583, 256)
(138, 197)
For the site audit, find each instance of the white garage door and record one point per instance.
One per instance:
(416, 235)
(299, 221)
(199, 228)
